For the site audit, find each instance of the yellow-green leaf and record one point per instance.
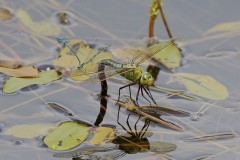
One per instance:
(26, 71)
(85, 54)
(65, 50)
(42, 27)
(170, 57)
(15, 84)
(225, 27)
(5, 14)
(202, 85)
(30, 130)
(67, 136)
(103, 135)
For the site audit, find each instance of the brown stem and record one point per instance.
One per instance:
(151, 27)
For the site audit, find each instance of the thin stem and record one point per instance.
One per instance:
(164, 20)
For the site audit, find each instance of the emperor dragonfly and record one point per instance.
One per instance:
(130, 69)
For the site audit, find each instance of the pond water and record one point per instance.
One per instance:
(118, 23)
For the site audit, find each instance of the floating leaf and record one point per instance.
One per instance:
(5, 14)
(26, 71)
(15, 84)
(42, 27)
(202, 85)
(225, 27)
(70, 61)
(67, 61)
(162, 147)
(72, 43)
(67, 136)
(30, 130)
(4, 116)
(103, 135)
(84, 53)
(170, 57)
(10, 63)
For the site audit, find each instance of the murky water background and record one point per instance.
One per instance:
(117, 23)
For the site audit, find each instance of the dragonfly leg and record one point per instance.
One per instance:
(147, 123)
(130, 92)
(143, 94)
(135, 126)
(138, 94)
(129, 124)
(149, 94)
(119, 91)
(130, 133)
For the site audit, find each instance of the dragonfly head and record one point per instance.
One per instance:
(147, 79)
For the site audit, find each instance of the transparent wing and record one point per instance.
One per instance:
(97, 76)
(94, 56)
(153, 47)
(141, 51)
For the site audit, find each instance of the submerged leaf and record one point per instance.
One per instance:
(162, 147)
(202, 85)
(15, 84)
(26, 71)
(42, 27)
(86, 150)
(225, 27)
(5, 14)
(30, 130)
(170, 57)
(67, 136)
(103, 135)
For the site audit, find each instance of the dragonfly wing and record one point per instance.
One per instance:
(94, 77)
(152, 47)
(141, 51)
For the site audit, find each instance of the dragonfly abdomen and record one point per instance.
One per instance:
(111, 63)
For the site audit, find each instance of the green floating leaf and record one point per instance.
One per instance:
(5, 14)
(30, 130)
(14, 84)
(85, 54)
(202, 85)
(225, 27)
(170, 57)
(42, 27)
(162, 147)
(67, 136)
(103, 135)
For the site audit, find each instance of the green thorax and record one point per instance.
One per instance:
(132, 75)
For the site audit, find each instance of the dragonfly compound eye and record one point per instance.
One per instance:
(147, 79)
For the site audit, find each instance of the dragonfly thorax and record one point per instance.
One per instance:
(147, 79)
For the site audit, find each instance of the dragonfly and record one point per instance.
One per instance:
(130, 69)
